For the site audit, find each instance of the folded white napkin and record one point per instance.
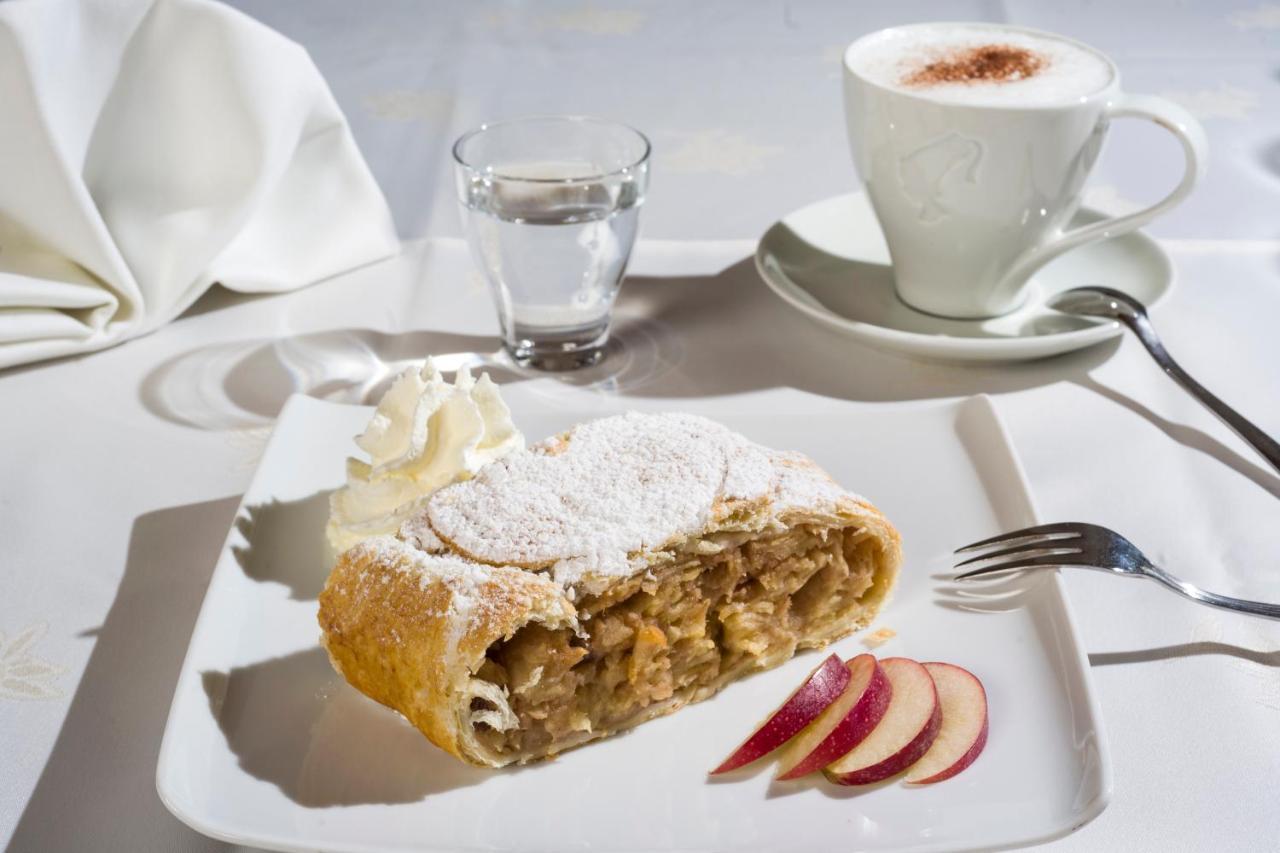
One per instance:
(149, 148)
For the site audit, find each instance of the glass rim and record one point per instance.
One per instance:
(568, 119)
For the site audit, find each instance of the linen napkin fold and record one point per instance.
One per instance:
(150, 148)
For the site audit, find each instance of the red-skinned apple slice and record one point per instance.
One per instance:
(964, 725)
(844, 723)
(904, 734)
(824, 686)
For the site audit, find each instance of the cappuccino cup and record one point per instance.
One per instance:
(975, 141)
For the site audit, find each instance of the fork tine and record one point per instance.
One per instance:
(1045, 561)
(1026, 532)
(1054, 547)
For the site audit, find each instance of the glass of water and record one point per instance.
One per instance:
(551, 207)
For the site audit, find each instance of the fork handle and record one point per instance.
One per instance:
(1246, 429)
(1224, 602)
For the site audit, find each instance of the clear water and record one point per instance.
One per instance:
(554, 256)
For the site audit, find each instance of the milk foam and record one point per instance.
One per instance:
(1068, 71)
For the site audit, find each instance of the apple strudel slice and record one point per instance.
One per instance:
(599, 579)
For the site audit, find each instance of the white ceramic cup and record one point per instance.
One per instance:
(974, 198)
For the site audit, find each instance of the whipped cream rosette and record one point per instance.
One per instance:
(425, 434)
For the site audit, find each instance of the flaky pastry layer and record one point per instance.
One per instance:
(499, 664)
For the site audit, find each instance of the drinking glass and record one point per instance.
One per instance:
(551, 206)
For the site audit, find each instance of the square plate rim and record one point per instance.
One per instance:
(1081, 673)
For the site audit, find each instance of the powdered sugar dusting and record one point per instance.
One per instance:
(799, 484)
(615, 489)
(748, 475)
(462, 577)
(417, 531)
(465, 580)
(595, 502)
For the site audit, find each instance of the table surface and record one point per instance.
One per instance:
(122, 470)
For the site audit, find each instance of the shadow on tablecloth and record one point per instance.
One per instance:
(683, 336)
(97, 790)
(272, 550)
(293, 722)
(1189, 436)
(676, 337)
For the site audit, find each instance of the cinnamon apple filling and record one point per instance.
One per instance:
(676, 634)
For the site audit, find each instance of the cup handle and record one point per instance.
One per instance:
(1195, 149)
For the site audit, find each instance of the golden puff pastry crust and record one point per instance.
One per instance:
(599, 579)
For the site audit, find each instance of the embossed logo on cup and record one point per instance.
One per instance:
(926, 173)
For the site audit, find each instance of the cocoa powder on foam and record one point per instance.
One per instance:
(988, 63)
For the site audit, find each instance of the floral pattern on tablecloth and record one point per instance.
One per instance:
(22, 674)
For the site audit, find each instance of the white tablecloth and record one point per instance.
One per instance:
(120, 472)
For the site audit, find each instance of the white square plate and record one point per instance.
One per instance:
(267, 746)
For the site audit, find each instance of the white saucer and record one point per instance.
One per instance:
(829, 260)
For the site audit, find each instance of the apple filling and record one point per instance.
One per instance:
(673, 635)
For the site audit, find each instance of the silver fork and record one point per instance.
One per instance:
(1088, 546)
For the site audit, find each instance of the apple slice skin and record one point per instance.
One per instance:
(963, 762)
(907, 755)
(944, 699)
(804, 705)
(898, 762)
(858, 722)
